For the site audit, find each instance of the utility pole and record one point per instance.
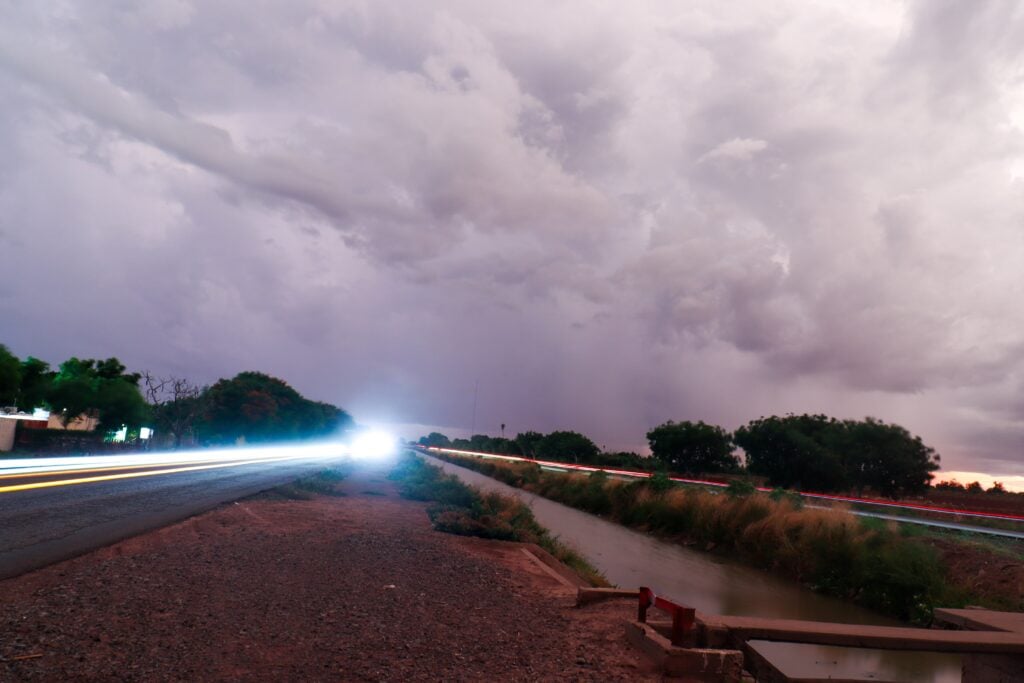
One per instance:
(476, 391)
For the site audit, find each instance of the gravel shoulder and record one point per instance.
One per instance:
(354, 588)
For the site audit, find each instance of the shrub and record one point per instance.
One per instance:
(792, 497)
(323, 482)
(831, 551)
(659, 482)
(463, 510)
(738, 488)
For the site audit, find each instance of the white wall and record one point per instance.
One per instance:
(7, 429)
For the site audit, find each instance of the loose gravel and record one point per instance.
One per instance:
(356, 588)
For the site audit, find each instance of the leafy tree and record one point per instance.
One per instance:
(527, 442)
(974, 487)
(791, 451)
(73, 391)
(693, 447)
(101, 389)
(10, 377)
(256, 407)
(120, 403)
(435, 440)
(626, 460)
(480, 443)
(885, 458)
(566, 447)
(821, 453)
(36, 382)
(493, 444)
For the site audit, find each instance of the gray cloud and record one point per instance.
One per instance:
(607, 218)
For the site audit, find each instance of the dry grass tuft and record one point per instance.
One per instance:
(831, 551)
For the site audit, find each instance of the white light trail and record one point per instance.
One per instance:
(702, 482)
(90, 469)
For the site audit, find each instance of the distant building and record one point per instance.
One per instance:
(82, 423)
(45, 431)
(9, 422)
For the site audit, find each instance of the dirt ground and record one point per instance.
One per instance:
(996, 578)
(353, 588)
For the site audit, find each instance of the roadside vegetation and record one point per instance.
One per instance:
(463, 510)
(806, 452)
(322, 483)
(251, 407)
(830, 551)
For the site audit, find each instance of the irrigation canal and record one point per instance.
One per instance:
(827, 498)
(714, 585)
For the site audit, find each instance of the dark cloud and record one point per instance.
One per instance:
(602, 218)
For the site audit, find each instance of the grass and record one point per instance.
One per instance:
(831, 551)
(463, 510)
(322, 483)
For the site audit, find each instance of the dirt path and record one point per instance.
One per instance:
(351, 588)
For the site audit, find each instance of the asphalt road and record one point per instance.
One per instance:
(42, 526)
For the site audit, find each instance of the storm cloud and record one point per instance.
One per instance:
(592, 217)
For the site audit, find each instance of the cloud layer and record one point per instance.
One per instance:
(603, 218)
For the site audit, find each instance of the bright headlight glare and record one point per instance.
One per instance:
(373, 445)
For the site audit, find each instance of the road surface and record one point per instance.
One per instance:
(48, 516)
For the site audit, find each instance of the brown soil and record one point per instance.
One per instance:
(994, 578)
(1008, 503)
(353, 588)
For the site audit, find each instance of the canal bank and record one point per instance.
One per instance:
(713, 585)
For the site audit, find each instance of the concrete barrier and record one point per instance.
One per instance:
(692, 665)
(586, 595)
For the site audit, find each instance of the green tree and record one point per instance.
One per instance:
(435, 440)
(823, 454)
(693, 447)
(259, 408)
(120, 403)
(482, 443)
(527, 442)
(885, 458)
(504, 446)
(10, 377)
(36, 382)
(73, 391)
(566, 447)
(791, 452)
(101, 389)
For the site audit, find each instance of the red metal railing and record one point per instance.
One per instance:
(682, 617)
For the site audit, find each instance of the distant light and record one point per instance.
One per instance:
(120, 435)
(145, 433)
(373, 445)
(40, 414)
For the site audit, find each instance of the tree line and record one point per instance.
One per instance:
(252, 407)
(807, 452)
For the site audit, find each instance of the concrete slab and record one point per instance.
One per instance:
(693, 665)
(980, 620)
(742, 629)
(586, 595)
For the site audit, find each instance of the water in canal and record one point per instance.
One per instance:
(716, 586)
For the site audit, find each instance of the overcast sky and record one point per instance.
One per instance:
(605, 215)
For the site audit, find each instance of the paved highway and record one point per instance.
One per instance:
(51, 510)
